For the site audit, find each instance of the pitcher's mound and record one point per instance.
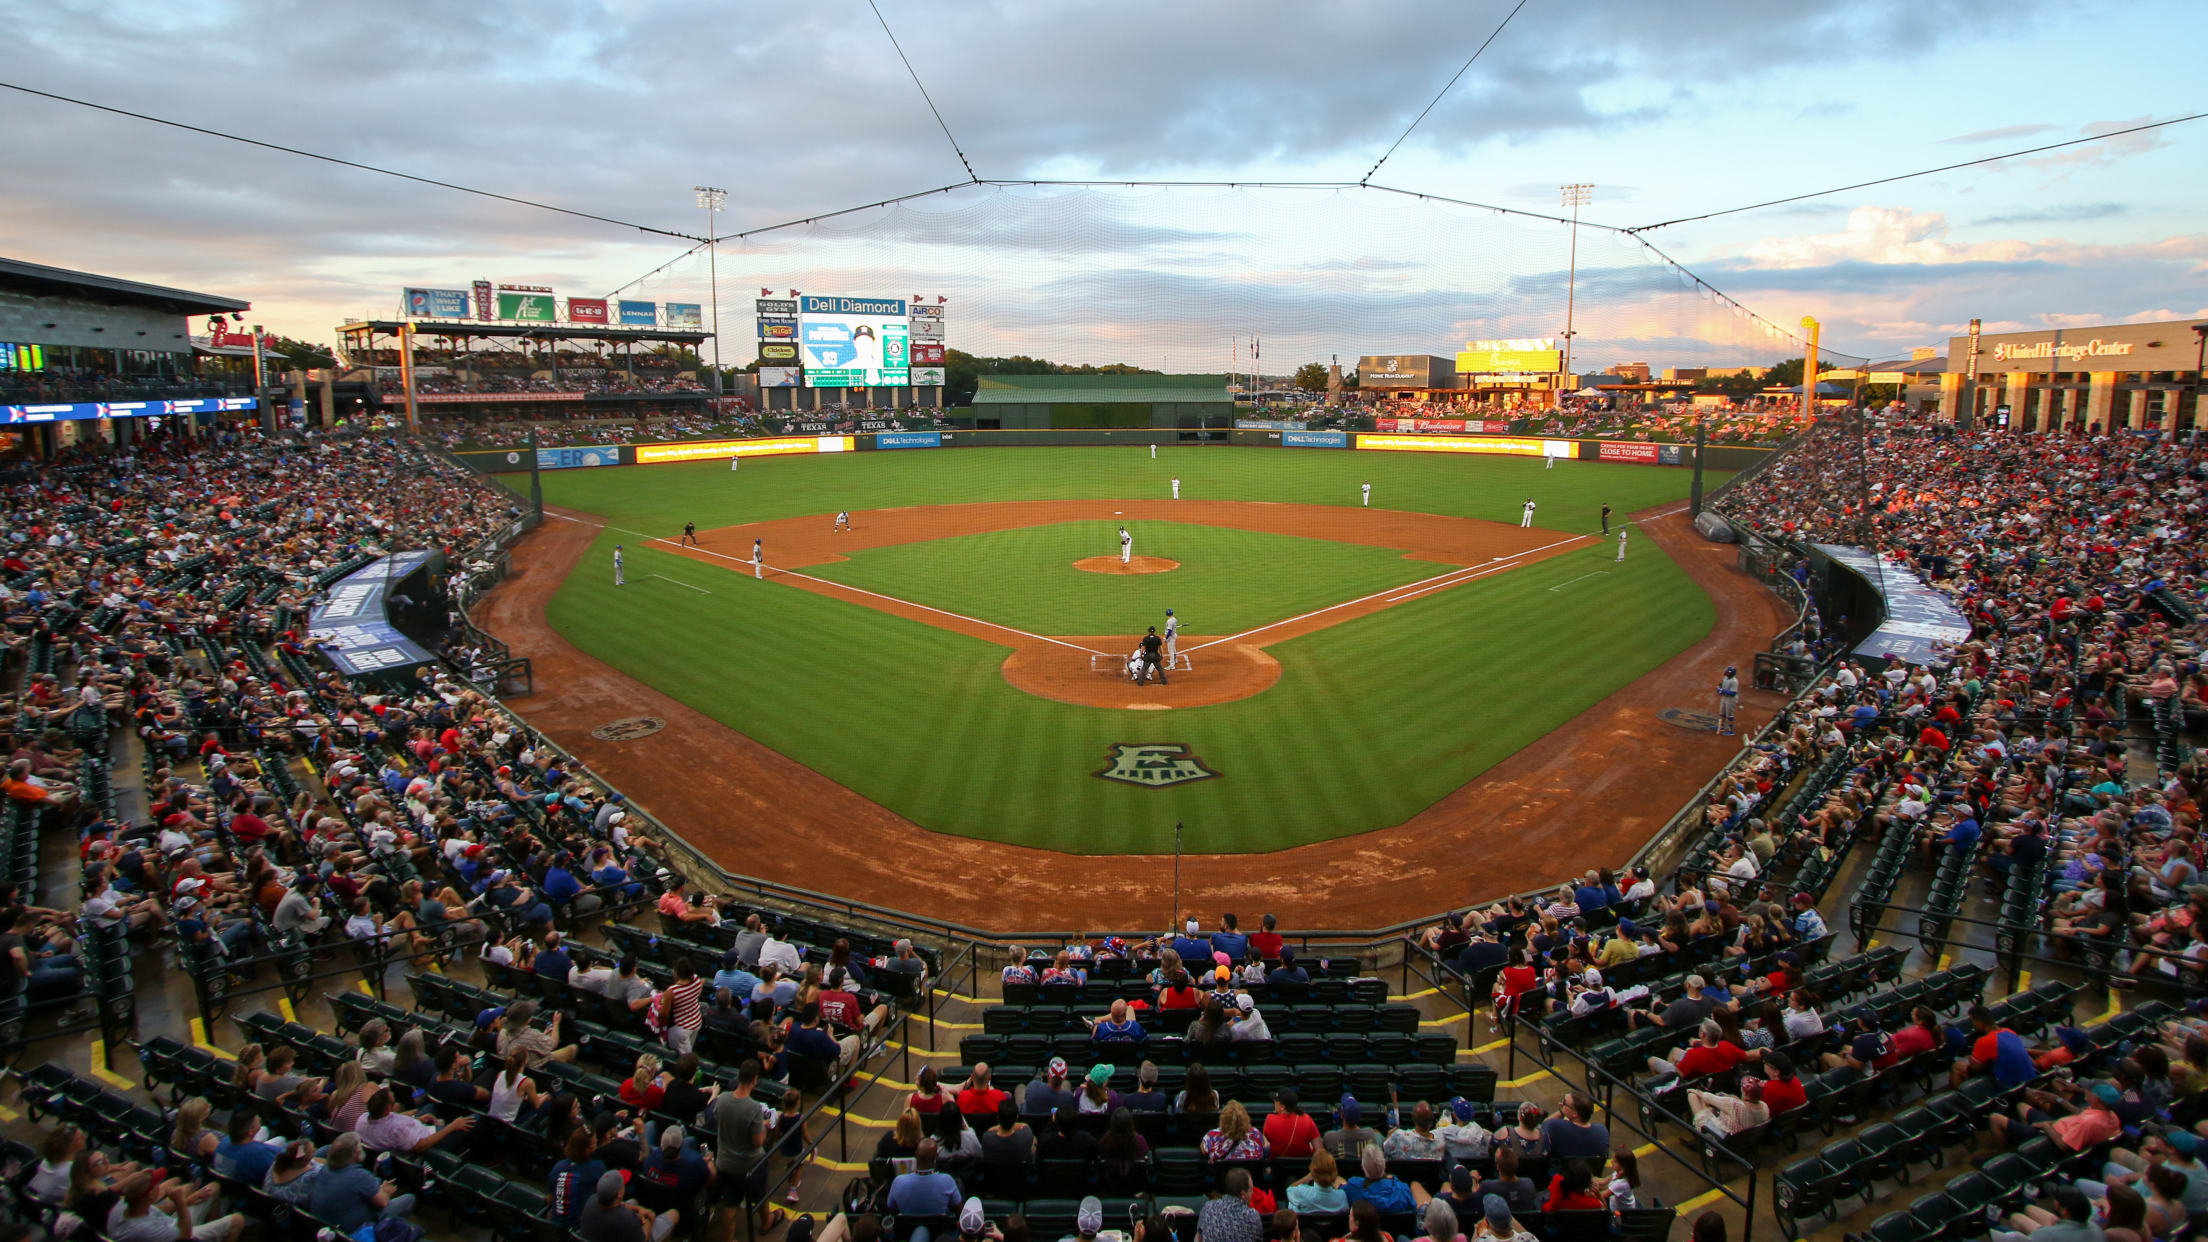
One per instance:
(1113, 565)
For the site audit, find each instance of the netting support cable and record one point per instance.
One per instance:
(345, 163)
(1864, 185)
(1441, 94)
(657, 270)
(940, 123)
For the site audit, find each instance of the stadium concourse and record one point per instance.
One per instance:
(323, 953)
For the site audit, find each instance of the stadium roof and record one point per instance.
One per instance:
(41, 280)
(537, 331)
(1099, 389)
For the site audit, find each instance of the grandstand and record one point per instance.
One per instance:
(254, 896)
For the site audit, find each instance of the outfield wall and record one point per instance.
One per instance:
(578, 457)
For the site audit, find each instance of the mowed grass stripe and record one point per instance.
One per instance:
(1373, 720)
(1228, 581)
(660, 499)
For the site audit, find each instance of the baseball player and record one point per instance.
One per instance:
(1134, 663)
(1153, 452)
(758, 558)
(1526, 522)
(1728, 694)
(843, 522)
(690, 535)
(1605, 519)
(1550, 458)
(1367, 489)
(617, 578)
(1176, 489)
(1150, 647)
(1622, 531)
(1126, 547)
(734, 462)
(1172, 637)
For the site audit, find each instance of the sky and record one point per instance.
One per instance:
(620, 108)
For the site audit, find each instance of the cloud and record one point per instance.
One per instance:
(2103, 152)
(2006, 133)
(2069, 213)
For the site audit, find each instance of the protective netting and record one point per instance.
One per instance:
(1182, 278)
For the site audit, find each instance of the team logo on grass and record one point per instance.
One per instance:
(628, 729)
(1155, 765)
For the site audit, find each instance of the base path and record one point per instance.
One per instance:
(1587, 794)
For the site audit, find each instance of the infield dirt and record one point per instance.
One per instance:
(1586, 794)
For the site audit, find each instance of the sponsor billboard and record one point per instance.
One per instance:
(926, 329)
(928, 353)
(926, 376)
(70, 411)
(587, 310)
(485, 306)
(638, 314)
(1404, 371)
(774, 306)
(437, 303)
(1269, 424)
(785, 351)
(1316, 439)
(1626, 452)
(526, 307)
(778, 329)
(1441, 426)
(926, 312)
(685, 315)
(710, 450)
(578, 456)
(1509, 446)
(909, 440)
(1512, 361)
(780, 377)
(854, 342)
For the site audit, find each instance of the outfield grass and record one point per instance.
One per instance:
(659, 499)
(1372, 719)
(1228, 580)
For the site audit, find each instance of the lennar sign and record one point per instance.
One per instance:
(2025, 350)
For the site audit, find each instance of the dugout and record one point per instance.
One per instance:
(1039, 402)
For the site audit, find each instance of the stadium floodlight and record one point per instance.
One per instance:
(711, 197)
(1575, 196)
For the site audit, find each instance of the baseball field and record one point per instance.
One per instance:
(957, 658)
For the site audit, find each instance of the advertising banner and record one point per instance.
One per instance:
(909, 440)
(526, 307)
(786, 351)
(868, 308)
(1316, 439)
(587, 310)
(813, 426)
(926, 312)
(639, 314)
(1503, 445)
(578, 456)
(927, 376)
(927, 354)
(779, 377)
(1442, 426)
(778, 329)
(485, 307)
(437, 303)
(1671, 455)
(1271, 424)
(69, 411)
(685, 315)
(774, 306)
(1645, 453)
(501, 398)
(722, 450)
(876, 424)
(1537, 356)
(856, 348)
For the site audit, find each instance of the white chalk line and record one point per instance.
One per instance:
(679, 582)
(1582, 578)
(745, 560)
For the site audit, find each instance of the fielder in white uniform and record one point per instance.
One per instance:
(1153, 452)
(1126, 546)
(1526, 522)
(1367, 488)
(843, 521)
(617, 579)
(1621, 541)
(1176, 489)
(1728, 694)
(1551, 459)
(1172, 637)
(734, 462)
(758, 558)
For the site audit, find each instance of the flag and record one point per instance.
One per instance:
(940, 299)
(793, 293)
(917, 298)
(766, 293)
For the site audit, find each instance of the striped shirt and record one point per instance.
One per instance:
(682, 1004)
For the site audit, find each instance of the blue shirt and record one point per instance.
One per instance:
(924, 1194)
(249, 1161)
(1234, 944)
(553, 962)
(739, 982)
(1128, 1032)
(1962, 833)
(2012, 1061)
(1590, 898)
(1389, 1194)
(560, 885)
(1194, 951)
(345, 1197)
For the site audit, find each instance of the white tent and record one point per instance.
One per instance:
(1588, 392)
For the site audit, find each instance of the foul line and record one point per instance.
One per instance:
(839, 586)
(1582, 578)
(679, 582)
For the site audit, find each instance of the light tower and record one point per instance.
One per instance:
(1575, 196)
(711, 197)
